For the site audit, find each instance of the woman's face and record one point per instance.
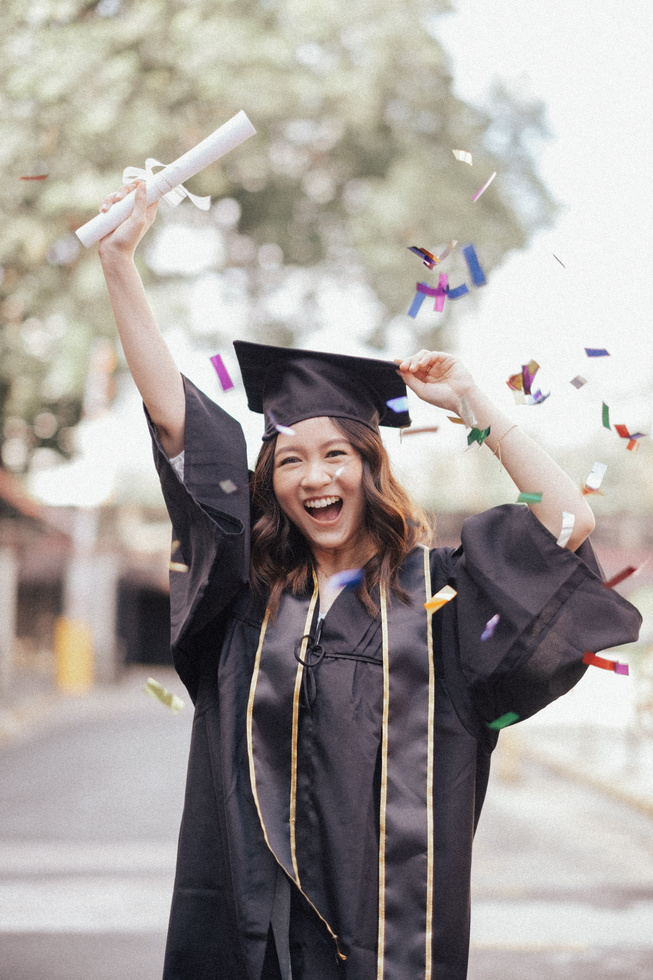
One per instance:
(318, 483)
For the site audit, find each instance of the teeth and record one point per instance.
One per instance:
(323, 502)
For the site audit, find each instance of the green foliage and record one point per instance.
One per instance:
(356, 119)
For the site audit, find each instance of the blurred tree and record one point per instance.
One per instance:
(356, 118)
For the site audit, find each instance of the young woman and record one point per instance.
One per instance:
(340, 750)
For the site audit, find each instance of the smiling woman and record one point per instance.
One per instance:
(342, 736)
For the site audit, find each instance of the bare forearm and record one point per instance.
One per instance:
(148, 357)
(532, 469)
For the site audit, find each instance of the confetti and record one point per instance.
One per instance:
(347, 579)
(528, 497)
(467, 413)
(174, 546)
(578, 381)
(227, 486)
(595, 477)
(448, 250)
(619, 577)
(593, 661)
(441, 293)
(516, 381)
(596, 352)
(509, 718)
(454, 418)
(463, 156)
(484, 187)
(625, 434)
(568, 521)
(416, 430)
(177, 566)
(458, 291)
(222, 373)
(606, 416)
(35, 177)
(285, 430)
(476, 272)
(398, 404)
(558, 260)
(428, 258)
(478, 435)
(166, 697)
(416, 305)
(440, 599)
(537, 398)
(490, 627)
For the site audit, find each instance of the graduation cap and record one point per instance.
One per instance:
(288, 385)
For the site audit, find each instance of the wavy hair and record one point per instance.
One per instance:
(281, 558)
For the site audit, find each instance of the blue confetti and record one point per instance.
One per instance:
(398, 404)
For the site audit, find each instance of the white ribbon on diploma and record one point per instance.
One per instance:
(175, 195)
(167, 181)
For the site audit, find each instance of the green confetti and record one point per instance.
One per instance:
(529, 498)
(606, 416)
(509, 718)
(164, 696)
(478, 435)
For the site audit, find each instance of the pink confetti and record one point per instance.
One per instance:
(484, 187)
(222, 373)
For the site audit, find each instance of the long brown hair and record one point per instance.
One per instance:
(280, 555)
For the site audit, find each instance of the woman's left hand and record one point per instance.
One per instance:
(437, 378)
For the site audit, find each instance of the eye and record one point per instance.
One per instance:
(287, 459)
(336, 452)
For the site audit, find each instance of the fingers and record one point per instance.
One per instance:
(418, 362)
(118, 195)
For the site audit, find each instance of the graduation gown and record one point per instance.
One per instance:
(354, 764)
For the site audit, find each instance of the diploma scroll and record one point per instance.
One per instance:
(227, 137)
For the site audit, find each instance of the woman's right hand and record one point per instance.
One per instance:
(124, 240)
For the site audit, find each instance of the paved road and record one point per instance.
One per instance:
(89, 811)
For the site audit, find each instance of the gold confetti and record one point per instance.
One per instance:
(440, 599)
(177, 566)
(161, 694)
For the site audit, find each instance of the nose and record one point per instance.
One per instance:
(316, 474)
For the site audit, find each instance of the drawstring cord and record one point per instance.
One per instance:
(313, 657)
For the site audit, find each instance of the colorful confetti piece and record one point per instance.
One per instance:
(459, 291)
(35, 177)
(528, 497)
(428, 258)
(592, 660)
(415, 306)
(463, 156)
(454, 418)
(398, 404)
(347, 579)
(596, 352)
(619, 577)
(285, 430)
(222, 373)
(595, 477)
(440, 599)
(416, 430)
(177, 566)
(606, 416)
(568, 521)
(558, 260)
(490, 627)
(161, 694)
(509, 718)
(478, 435)
(227, 486)
(476, 272)
(485, 186)
(578, 381)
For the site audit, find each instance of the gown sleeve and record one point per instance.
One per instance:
(552, 607)
(210, 525)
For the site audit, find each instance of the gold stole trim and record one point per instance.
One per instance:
(295, 730)
(429, 775)
(384, 782)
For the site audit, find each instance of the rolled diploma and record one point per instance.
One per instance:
(227, 137)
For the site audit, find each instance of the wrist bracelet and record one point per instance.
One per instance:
(497, 451)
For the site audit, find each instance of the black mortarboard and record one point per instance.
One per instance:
(288, 385)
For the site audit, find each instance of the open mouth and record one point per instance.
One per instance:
(325, 510)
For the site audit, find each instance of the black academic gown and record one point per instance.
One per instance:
(347, 740)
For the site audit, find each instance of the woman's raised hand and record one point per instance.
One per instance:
(437, 378)
(129, 233)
